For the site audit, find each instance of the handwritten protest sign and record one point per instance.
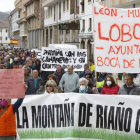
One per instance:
(117, 39)
(65, 57)
(11, 83)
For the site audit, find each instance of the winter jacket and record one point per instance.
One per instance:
(70, 82)
(15, 65)
(136, 80)
(26, 77)
(31, 87)
(92, 67)
(82, 74)
(8, 119)
(88, 92)
(110, 90)
(134, 91)
(59, 76)
(45, 74)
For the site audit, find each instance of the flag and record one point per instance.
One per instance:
(12, 41)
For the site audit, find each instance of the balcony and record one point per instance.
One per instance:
(16, 2)
(117, 3)
(46, 3)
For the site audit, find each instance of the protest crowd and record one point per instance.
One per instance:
(61, 81)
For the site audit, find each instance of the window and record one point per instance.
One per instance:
(83, 24)
(54, 13)
(6, 30)
(0, 30)
(60, 10)
(82, 6)
(64, 5)
(0, 38)
(51, 11)
(90, 23)
(5, 38)
(67, 4)
(18, 14)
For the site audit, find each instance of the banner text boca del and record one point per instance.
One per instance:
(117, 37)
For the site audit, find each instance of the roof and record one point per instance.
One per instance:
(3, 24)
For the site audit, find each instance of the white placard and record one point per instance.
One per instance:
(64, 57)
(117, 39)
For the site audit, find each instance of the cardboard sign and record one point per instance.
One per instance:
(117, 39)
(66, 57)
(11, 83)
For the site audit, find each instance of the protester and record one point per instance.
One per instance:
(88, 74)
(83, 87)
(8, 118)
(136, 78)
(41, 90)
(59, 72)
(69, 80)
(27, 74)
(37, 66)
(82, 74)
(130, 88)
(91, 65)
(110, 87)
(50, 87)
(34, 83)
(15, 64)
(6, 62)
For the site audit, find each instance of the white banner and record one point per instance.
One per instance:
(52, 57)
(117, 39)
(79, 116)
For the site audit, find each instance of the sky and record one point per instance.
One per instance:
(6, 5)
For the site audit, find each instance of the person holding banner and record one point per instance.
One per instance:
(110, 87)
(83, 87)
(8, 118)
(51, 87)
(130, 88)
(69, 80)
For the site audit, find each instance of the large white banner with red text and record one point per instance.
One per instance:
(117, 39)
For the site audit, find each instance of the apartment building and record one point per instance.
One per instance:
(13, 27)
(4, 40)
(22, 23)
(121, 3)
(61, 13)
(34, 14)
(86, 26)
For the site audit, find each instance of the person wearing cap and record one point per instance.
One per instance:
(129, 88)
(83, 87)
(50, 87)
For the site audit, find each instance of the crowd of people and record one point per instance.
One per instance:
(61, 81)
